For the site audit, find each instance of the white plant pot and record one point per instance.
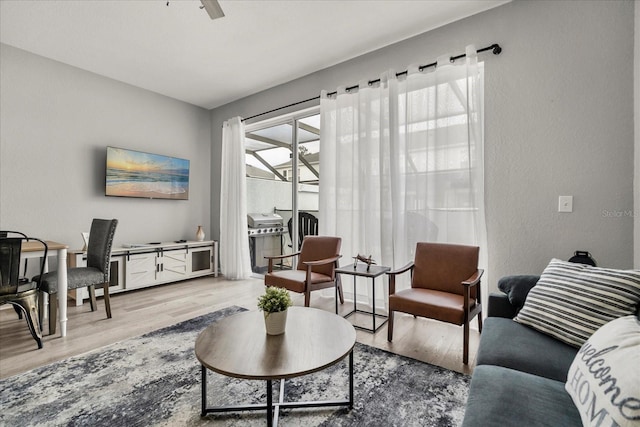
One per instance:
(275, 323)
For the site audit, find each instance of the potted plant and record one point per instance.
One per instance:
(274, 303)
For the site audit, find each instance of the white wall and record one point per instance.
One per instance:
(637, 134)
(263, 195)
(55, 124)
(558, 121)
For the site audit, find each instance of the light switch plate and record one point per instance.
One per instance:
(565, 204)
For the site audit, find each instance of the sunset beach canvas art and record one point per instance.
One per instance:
(151, 176)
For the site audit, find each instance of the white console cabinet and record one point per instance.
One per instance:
(149, 265)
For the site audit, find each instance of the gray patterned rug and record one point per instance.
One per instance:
(154, 380)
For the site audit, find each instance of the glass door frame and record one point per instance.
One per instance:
(292, 119)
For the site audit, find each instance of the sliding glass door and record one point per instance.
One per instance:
(282, 188)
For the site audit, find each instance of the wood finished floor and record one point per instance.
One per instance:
(138, 312)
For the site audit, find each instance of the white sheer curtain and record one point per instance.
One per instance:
(402, 162)
(234, 244)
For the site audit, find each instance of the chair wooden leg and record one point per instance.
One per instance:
(340, 293)
(53, 313)
(390, 326)
(465, 344)
(92, 298)
(307, 297)
(107, 300)
(480, 322)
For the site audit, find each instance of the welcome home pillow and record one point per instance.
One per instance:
(604, 378)
(571, 301)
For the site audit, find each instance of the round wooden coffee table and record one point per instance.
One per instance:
(238, 346)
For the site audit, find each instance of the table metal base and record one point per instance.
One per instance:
(273, 409)
(373, 315)
(359, 270)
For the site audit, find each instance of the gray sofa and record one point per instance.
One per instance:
(520, 373)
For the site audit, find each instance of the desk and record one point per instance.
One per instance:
(34, 249)
(360, 269)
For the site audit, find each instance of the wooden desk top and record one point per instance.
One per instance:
(238, 346)
(35, 246)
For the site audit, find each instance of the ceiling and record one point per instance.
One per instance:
(178, 51)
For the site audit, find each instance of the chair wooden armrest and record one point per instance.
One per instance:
(311, 264)
(402, 269)
(322, 261)
(392, 276)
(474, 279)
(281, 256)
(276, 257)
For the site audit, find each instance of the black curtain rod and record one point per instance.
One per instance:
(495, 48)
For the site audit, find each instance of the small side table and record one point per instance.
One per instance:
(360, 269)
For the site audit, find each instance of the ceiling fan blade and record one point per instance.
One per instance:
(213, 8)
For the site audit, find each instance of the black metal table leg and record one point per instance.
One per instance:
(373, 284)
(351, 380)
(203, 389)
(269, 404)
(355, 306)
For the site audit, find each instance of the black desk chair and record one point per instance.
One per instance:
(307, 226)
(19, 292)
(96, 273)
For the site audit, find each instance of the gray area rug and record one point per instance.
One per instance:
(154, 380)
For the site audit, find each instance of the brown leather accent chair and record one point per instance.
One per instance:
(317, 262)
(445, 285)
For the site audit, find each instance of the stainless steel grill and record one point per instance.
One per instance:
(264, 220)
(267, 231)
(265, 238)
(268, 224)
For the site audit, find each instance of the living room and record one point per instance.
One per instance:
(559, 120)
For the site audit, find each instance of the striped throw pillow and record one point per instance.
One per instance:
(571, 301)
